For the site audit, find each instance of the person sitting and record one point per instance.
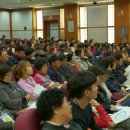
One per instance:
(23, 72)
(71, 59)
(18, 56)
(119, 71)
(79, 59)
(4, 57)
(30, 56)
(64, 69)
(116, 89)
(104, 120)
(53, 69)
(41, 76)
(11, 96)
(102, 97)
(55, 111)
(82, 88)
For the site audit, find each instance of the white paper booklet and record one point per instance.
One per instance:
(6, 118)
(39, 89)
(121, 115)
(33, 105)
(127, 69)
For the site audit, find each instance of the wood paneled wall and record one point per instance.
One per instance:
(122, 18)
(72, 14)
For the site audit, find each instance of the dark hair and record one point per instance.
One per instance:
(78, 51)
(29, 51)
(39, 62)
(62, 57)
(79, 83)
(69, 56)
(96, 70)
(53, 58)
(19, 48)
(107, 46)
(47, 101)
(81, 45)
(118, 55)
(4, 69)
(108, 61)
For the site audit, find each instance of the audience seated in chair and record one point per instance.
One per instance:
(41, 76)
(53, 69)
(11, 95)
(18, 56)
(23, 71)
(55, 111)
(82, 88)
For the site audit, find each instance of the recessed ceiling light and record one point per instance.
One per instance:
(53, 4)
(30, 6)
(10, 8)
(18, 1)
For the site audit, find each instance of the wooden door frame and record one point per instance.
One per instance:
(46, 24)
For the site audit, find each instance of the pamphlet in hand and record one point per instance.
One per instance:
(33, 105)
(121, 115)
(38, 90)
(6, 118)
(127, 69)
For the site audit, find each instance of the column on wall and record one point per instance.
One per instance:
(71, 21)
(122, 21)
(34, 26)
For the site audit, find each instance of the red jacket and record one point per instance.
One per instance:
(103, 119)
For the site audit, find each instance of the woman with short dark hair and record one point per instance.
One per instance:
(11, 96)
(55, 111)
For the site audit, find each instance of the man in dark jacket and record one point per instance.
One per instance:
(53, 72)
(82, 88)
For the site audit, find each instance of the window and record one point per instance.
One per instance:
(111, 35)
(83, 17)
(104, 21)
(111, 31)
(39, 20)
(110, 15)
(39, 24)
(83, 24)
(62, 23)
(39, 34)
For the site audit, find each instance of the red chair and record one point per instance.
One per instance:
(29, 120)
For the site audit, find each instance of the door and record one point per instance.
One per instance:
(54, 30)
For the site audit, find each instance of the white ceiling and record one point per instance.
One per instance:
(41, 3)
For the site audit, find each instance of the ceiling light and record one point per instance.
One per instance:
(10, 8)
(53, 4)
(18, 1)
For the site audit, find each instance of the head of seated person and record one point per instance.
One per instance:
(119, 58)
(125, 56)
(54, 61)
(23, 70)
(41, 65)
(5, 73)
(52, 106)
(4, 57)
(19, 51)
(70, 57)
(99, 73)
(63, 59)
(83, 87)
(29, 52)
(79, 52)
(108, 63)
